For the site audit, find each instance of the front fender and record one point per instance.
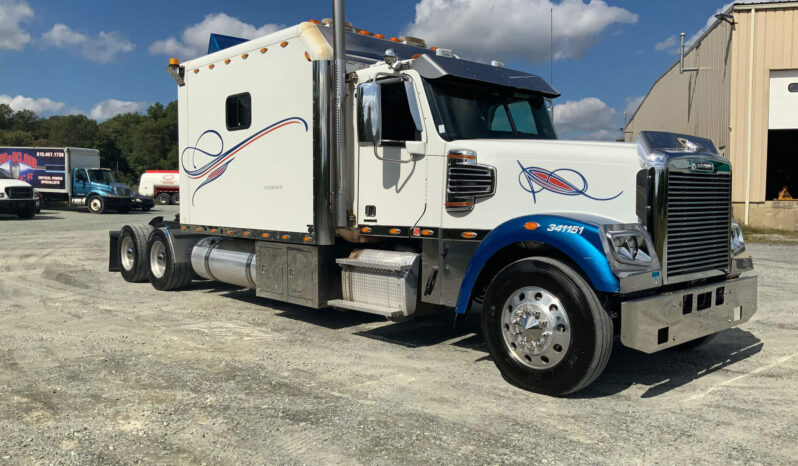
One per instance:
(582, 244)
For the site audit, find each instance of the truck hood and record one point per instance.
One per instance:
(553, 176)
(13, 184)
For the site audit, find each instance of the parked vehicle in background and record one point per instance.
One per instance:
(16, 197)
(453, 192)
(162, 185)
(140, 202)
(70, 174)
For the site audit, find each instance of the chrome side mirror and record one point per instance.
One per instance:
(369, 113)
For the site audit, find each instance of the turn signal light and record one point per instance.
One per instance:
(531, 226)
(468, 235)
(459, 204)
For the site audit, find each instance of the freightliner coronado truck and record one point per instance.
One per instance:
(70, 174)
(326, 167)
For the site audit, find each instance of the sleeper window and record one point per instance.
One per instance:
(238, 111)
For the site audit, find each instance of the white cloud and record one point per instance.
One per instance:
(632, 104)
(515, 29)
(589, 118)
(42, 105)
(194, 40)
(12, 13)
(112, 107)
(671, 44)
(103, 48)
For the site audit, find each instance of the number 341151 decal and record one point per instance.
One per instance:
(574, 229)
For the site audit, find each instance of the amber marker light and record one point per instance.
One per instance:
(265, 235)
(415, 56)
(315, 21)
(394, 231)
(283, 44)
(307, 56)
(174, 62)
(365, 230)
(379, 36)
(196, 70)
(433, 48)
(468, 235)
(184, 228)
(394, 39)
(245, 56)
(459, 204)
(246, 233)
(263, 50)
(307, 239)
(211, 66)
(227, 61)
(427, 232)
(531, 226)
(461, 156)
(286, 236)
(213, 230)
(229, 232)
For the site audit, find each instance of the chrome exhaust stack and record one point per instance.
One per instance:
(339, 121)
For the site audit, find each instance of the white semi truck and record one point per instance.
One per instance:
(16, 196)
(328, 167)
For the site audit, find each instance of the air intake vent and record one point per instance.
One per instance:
(698, 222)
(466, 180)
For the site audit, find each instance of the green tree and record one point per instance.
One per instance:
(13, 137)
(69, 130)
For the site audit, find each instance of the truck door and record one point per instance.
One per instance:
(391, 179)
(80, 182)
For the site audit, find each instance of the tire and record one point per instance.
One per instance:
(176, 198)
(579, 341)
(163, 272)
(163, 198)
(693, 344)
(26, 214)
(96, 204)
(132, 250)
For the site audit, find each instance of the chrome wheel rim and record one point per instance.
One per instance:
(158, 259)
(535, 328)
(95, 204)
(127, 254)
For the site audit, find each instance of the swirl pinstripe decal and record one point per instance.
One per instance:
(535, 179)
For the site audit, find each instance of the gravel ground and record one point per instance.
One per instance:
(97, 370)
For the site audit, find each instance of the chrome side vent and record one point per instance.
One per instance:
(466, 180)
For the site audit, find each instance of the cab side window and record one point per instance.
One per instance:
(398, 124)
(80, 175)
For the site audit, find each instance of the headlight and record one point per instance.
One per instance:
(630, 247)
(737, 240)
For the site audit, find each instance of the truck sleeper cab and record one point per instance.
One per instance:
(437, 183)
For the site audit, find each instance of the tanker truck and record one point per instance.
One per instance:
(161, 185)
(330, 167)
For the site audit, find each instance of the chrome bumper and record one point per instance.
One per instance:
(662, 321)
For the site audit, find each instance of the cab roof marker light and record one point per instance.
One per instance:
(379, 36)
(263, 50)
(283, 44)
(227, 61)
(245, 56)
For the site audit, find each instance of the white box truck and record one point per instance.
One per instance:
(331, 168)
(70, 174)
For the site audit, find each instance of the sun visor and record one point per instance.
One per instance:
(436, 67)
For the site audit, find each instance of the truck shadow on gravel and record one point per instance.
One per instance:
(37, 217)
(661, 372)
(670, 369)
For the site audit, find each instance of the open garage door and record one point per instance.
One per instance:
(782, 175)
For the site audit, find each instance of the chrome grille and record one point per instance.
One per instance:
(19, 193)
(698, 222)
(470, 180)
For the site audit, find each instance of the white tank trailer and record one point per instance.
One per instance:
(161, 185)
(326, 167)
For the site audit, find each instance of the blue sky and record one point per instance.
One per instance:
(104, 57)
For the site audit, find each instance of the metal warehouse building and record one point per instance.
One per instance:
(738, 85)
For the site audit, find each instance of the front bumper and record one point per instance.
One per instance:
(114, 202)
(669, 319)
(15, 205)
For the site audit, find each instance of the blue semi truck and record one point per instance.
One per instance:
(70, 174)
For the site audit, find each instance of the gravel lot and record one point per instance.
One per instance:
(97, 370)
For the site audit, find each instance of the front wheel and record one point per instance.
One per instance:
(96, 204)
(545, 328)
(165, 274)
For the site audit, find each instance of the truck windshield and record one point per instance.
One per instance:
(4, 175)
(473, 110)
(101, 176)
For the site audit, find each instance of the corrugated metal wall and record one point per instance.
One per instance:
(775, 48)
(696, 102)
